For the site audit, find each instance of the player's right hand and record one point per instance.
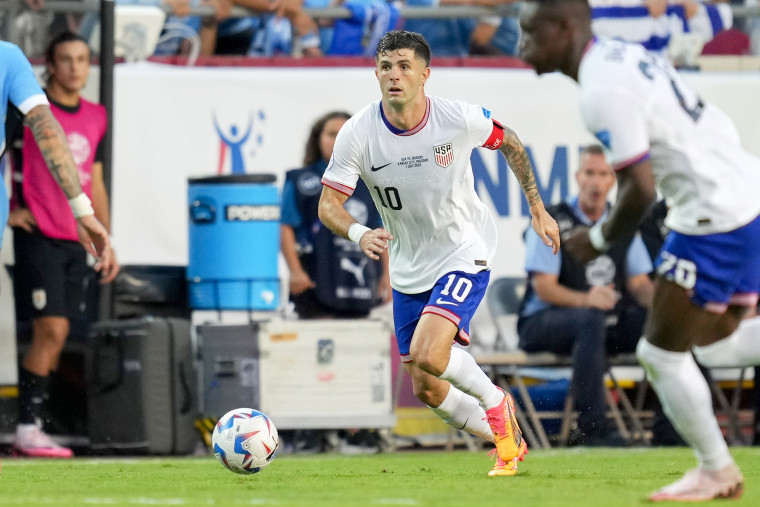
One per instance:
(375, 242)
(94, 237)
(23, 218)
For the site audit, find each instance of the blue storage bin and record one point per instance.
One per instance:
(547, 396)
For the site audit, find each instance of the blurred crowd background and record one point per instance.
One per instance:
(455, 28)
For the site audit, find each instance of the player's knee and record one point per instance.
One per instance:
(727, 324)
(428, 361)
(429, 396)
(51, 334)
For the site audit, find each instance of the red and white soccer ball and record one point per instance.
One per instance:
(245, 441)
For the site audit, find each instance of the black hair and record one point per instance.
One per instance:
(56, 41)
(313, 152)
(401, 39)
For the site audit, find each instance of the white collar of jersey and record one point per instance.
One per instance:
(412, 131)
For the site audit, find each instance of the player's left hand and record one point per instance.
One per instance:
(375, 242)
(546, 228)
(579, 247)
(94, 237)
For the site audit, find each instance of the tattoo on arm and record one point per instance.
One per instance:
(514, 151)
(55, 149)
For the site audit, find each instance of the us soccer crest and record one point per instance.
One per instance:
(444, 154)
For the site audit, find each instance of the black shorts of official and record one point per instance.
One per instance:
(50, 276)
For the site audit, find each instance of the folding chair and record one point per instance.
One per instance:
(503, 299)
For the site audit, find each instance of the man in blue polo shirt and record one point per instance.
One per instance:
(590, 310)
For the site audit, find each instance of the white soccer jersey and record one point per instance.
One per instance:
(423, 186)
(638, 106)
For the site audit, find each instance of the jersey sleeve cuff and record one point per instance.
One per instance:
(35, 100)
(631, 161)
(343, 189)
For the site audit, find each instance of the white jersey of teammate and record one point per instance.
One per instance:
(638, 106)
(422, 184)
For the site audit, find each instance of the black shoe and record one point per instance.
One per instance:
(597, 437)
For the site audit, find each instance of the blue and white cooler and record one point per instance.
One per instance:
(234, 240)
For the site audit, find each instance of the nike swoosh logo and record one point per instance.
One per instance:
(438, 301)
(373, 168)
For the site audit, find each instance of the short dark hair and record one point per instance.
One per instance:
(592, 149)
(401, 39)
(56, 41)
(313, 152)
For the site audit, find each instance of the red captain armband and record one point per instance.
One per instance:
(496, 137)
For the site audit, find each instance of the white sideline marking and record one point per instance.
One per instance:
(138, 501)
(143, 501)
(169, 501)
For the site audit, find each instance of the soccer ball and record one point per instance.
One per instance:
(245, 441)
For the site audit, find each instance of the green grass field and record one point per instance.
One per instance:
(581, 477)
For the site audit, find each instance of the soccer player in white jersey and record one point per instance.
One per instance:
(660, 134)
(413, 152)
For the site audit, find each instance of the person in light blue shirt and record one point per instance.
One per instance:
(19, 89)
(586, 310)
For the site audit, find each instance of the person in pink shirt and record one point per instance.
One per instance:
(51, 264)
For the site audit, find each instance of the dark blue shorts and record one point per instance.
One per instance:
(718, 269)
(455, 296)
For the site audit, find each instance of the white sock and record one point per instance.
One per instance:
(740, 349)
(463, 412)
(465, 374)
(686, 400)
(24, 429)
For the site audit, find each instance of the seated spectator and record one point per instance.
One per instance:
(499, 35)
(30, 28)
(656, 23)
(494, 35)
(359, 34)
(586, 311)
(488, 35)
(267, 34)
(751, 26)
(288, 30)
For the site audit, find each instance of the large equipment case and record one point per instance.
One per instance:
(303, 374)
(141, 387)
